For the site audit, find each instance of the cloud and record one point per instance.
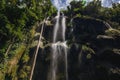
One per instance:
(62, 4)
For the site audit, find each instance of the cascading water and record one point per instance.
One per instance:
(56, 27)
(59, 64)
(59, 50)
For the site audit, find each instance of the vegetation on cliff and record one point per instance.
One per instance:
(21, 20)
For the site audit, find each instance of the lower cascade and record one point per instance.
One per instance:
(58, 70)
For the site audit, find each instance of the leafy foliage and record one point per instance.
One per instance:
(17, 18)
(95, 10)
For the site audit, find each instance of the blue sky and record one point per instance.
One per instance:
(63, 3)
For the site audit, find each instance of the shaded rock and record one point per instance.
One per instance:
(93, 50)
(89, 25)
(104, 37)
(86, 29)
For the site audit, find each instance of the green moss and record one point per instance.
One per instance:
(89, 56)
(23, 74)
(87, 49)
(113, 32)
(117, 51)
(25, 58)
(13, 72)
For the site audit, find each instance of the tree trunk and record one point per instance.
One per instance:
(10, 46)
(36, 52)
(8, 49)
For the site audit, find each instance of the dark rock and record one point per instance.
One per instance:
(100, 61)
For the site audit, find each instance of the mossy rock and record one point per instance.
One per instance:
(87, 49)
(113, 32)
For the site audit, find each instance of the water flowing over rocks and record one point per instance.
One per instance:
(93, 51)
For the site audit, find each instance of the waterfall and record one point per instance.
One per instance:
(59, 47)
(56, 27)
(59, 50)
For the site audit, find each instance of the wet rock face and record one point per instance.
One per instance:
(93, 54)
(48, 33)
(101, 65)
(89, 25)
